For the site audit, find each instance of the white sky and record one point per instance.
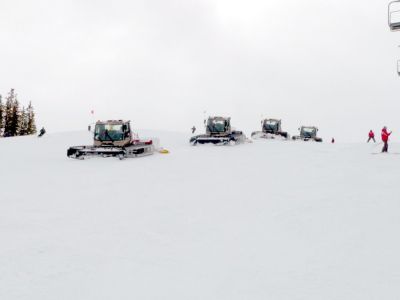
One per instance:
(161, 63)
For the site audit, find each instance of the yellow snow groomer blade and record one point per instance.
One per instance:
(164, 151)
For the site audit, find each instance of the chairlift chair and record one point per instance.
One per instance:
(394, 15)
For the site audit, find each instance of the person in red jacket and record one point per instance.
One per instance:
(385, 139)
(371, 136)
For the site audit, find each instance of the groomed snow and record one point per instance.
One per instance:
(267, 220)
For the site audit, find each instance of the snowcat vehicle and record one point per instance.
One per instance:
(308, 133)
(219, 132)
(270, 129)
(113, 138)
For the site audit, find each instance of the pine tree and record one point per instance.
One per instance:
(1, 116)
(31, 125)
(16, 121)
(8, 113)
(23, 122)
(15, 118)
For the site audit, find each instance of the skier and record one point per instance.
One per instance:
(333, 140)
(193, 129)
(42, 132)
(371, 136)
(385, 139)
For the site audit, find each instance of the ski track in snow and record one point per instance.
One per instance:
(266, 220)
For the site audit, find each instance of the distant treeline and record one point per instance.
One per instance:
(14, 120)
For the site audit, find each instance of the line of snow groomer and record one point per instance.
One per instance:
(220, 132)
(115, 138)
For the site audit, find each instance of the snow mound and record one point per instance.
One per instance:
(266, 220)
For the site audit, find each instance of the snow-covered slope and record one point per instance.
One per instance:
(267, 220)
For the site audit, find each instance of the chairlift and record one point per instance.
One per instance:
(394, 15)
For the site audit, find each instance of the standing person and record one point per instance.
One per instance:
(193, 129)
(371, 136)
(385, 139)
(42, 132)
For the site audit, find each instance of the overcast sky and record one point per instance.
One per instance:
(162, 63)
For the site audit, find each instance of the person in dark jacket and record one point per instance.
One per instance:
(42, 132)
(371, 136)
(193, 129)
(385, 139)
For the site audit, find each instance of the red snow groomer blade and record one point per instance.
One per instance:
(142, 142)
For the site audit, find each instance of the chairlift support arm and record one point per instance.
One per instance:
(390, 12)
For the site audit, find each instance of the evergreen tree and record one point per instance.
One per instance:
(15, 121)
(1, 116)
(15, 118)
(23, 122)
(10, 99)
(31, 124)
